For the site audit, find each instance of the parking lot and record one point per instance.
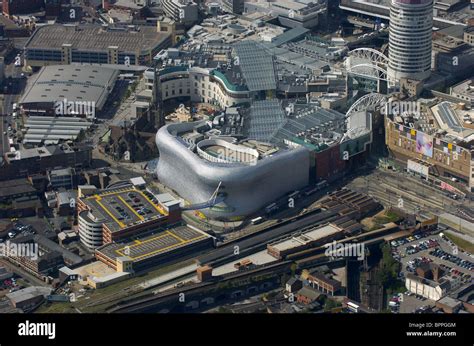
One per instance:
(434, 247)
(125, 206)
(164, 241)
(19, 229)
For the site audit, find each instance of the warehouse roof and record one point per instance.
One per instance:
(306, 237)
(96, 38)
(28, 293)
(73, 83)
(16, 187)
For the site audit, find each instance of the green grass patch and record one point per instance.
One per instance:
(388, 216)
(460, 242)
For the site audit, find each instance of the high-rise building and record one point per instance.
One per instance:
(182, 11)
(233, 6)
(411, 25)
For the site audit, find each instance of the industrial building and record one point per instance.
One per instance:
(29, 297)
(121, 213)
(94, 44)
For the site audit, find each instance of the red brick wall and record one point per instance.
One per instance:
(329, 163)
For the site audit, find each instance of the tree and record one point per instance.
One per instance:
(293, 269)
(389, 269)
(330, 304)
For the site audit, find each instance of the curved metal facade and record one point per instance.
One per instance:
(247, 188)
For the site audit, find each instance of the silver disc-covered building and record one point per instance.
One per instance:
(248, 178)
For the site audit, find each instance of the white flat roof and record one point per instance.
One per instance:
(307, 237)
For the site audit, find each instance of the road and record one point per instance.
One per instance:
(25, 275)
(14, 84)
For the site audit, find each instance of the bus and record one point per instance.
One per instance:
(310, 192)
(270, 208)
(353, 307)
(322, 184)
(257, 220)
(294, 194)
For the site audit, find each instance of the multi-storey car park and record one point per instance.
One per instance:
(164, 245)
(122, 213)
(94, 44)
